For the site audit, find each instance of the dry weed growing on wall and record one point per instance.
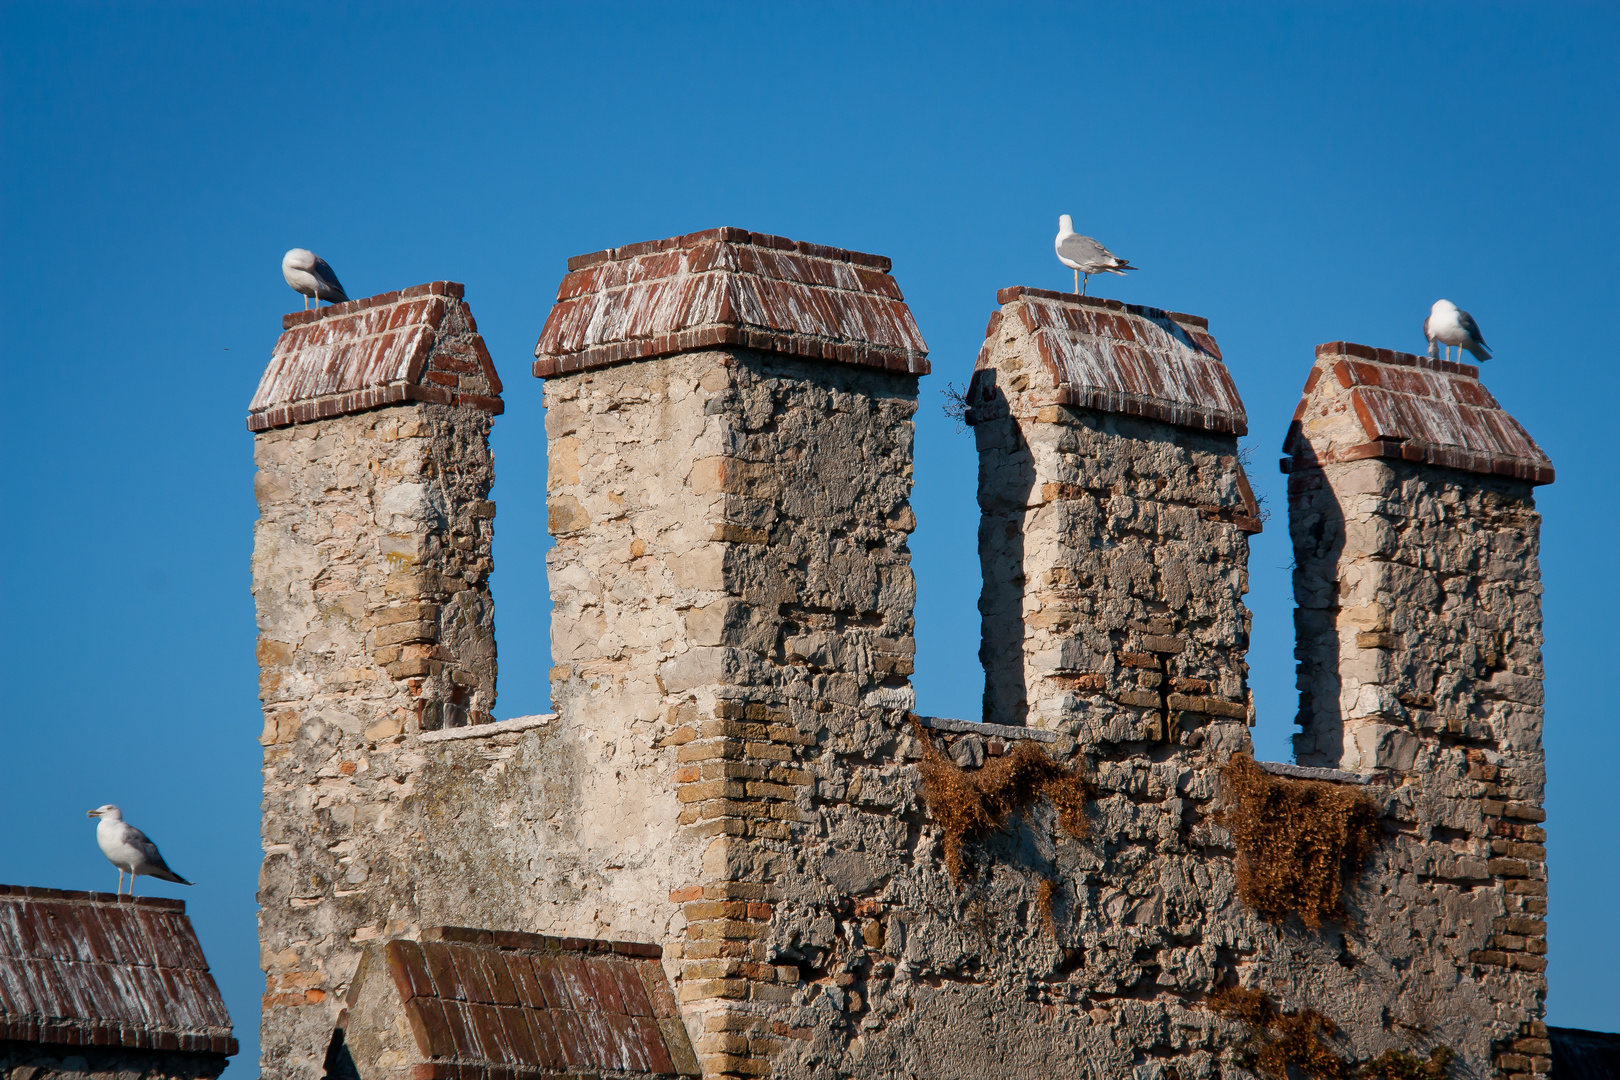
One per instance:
(1044, 893)
(964, 804)
(1296, 839)
(1276, 1042)
(1281, 1045)
(1394, 1065)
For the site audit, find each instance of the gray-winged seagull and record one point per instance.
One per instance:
(127, 848)
(1449, 325)
(1084, 255)
(308, 273)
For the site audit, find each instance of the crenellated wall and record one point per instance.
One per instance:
(732, 770)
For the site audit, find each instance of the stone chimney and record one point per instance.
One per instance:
(1418, 628)
(1115, 523)
(729, 427)
(371, 562)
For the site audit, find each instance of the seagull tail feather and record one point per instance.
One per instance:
(1480, 351)
(165, 874)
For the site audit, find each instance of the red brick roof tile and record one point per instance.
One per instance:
(729, 287)
(93, 969)
(416, 344)
(1414, 408)
(1126, 358)
(525, 1005)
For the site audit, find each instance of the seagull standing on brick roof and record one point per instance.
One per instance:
(1449, 325)
(127, 848)
(1084, 255)
(308, 273)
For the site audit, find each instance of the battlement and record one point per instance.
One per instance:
(824, 883)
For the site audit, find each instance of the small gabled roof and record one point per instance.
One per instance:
(94, 969)
(416, 344)
(1125, 358)
(729, 287)
(1360, 402)
(483, 1003)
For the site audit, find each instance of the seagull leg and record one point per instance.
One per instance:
(1086, 286)
(1077, 281)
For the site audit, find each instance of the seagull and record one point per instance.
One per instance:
(127, 848)
(308, 273)
(1448, 325)
(1084, 255)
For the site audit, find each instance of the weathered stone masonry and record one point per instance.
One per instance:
(730, 775)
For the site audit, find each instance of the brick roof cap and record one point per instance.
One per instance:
(415, 344)
(728, 287)
(1126, 358)
(96, 969)
(551, 993)
(1412, 408)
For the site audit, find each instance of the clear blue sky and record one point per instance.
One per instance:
(1297, 173)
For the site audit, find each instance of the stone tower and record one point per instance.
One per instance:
(371, 563)
(728, 420)
(1115, 520)
(1418, 585)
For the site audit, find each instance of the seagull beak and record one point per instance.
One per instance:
(92, 813)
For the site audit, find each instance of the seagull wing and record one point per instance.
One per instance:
(327, 283)
(1087, 255)
(1083, 250)
(1480, 350)
(152, 862)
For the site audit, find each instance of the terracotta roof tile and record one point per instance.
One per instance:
(1409, 407)
(416, 344)
(1126, 358)
(729, 287)
(537, 1003)
(93, 969)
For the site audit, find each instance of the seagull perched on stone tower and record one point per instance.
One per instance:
(1084, 255)
(1449, 325)
(127, 848)
(308, 273)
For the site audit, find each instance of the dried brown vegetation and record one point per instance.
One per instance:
(1044, 892)
(1296, 840)
(1277, 1041)
(1394, 1065)
(965, 804)
(1278, 1044)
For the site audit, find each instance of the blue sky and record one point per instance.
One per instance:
(1297, 173)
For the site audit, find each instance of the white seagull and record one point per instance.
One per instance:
(127, 848)
(1084, 255)
(308, 273)
(1449, 325)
